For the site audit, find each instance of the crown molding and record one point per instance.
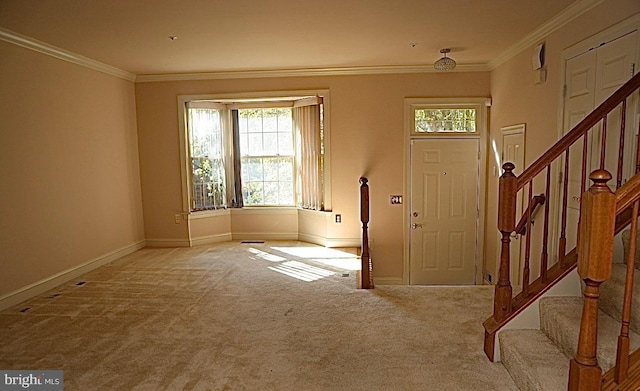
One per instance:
(62, 54)
(567, 15)
(375, 70)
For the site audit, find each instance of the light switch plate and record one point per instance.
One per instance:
(395, 200)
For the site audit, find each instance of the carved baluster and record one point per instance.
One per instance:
(638, 149)
(562, 246)
(545, 236)
(366, 275)
(595, 255)
(623, 120)
(622, 356)
(506, 224)
(583, 182)
(527, 249)
(603, 142)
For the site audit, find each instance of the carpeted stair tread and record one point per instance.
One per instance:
(560, 320)
(533, 360)
(612, 295)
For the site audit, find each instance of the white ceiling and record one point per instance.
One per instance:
(259, 35)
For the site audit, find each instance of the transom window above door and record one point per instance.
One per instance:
(450, 120)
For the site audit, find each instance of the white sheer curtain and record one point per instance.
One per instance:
(207, 153)
(306, 119)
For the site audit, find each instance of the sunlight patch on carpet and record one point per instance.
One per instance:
(327, 256)
(301, 271)
(266, 256)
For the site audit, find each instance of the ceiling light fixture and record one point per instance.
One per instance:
(173, 37)
(445, 63)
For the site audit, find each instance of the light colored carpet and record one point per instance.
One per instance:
(231, 316)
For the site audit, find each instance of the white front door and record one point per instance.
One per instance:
(444, 211)
(590, 78)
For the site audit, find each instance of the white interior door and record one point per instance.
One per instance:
(579, 101)
(591, 78)
(513, 151)
(615, 65)
(444, 211)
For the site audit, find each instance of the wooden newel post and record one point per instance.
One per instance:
(595, 254)
(366, 274)
(506, 225)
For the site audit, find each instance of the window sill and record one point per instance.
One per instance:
(265, 210)
(256, 210)
(204, 214)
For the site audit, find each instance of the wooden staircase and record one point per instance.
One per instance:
(570, 326)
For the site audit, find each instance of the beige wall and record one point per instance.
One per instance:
(367, 138)
(69, 167)
(517, 99)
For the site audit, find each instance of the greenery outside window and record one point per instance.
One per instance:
(267, 156)
(250, 151)
(454, 120)
(207, 159)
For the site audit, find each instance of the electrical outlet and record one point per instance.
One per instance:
(177, 218)
(338, 219)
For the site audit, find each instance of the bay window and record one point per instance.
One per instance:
(253, 152)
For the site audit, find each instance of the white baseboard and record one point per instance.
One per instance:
(343, 242)
(39, 287)
(314, 239)
(387, 281)
(211, 239)
(265, 236)
(330, 242)
(168, 243)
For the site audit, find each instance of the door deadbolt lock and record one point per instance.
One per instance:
(415, 214)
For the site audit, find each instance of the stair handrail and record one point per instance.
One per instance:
(627, 194)
(578, 131)
(536, 201)
(366, 270)
(506, 306)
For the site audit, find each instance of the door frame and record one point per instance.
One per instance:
(481, 105)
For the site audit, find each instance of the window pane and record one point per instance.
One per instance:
(285, 143)
(267, 163)
(255, 145)
(271, 193)
(270, 123)
(285, 122)
(271, 169)
(255, 122)
(270, 144)
(252, 169)
(445, 120)
(243, 124)
(286, 193)
(252, 193)
(244, 142)
(285, 169)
